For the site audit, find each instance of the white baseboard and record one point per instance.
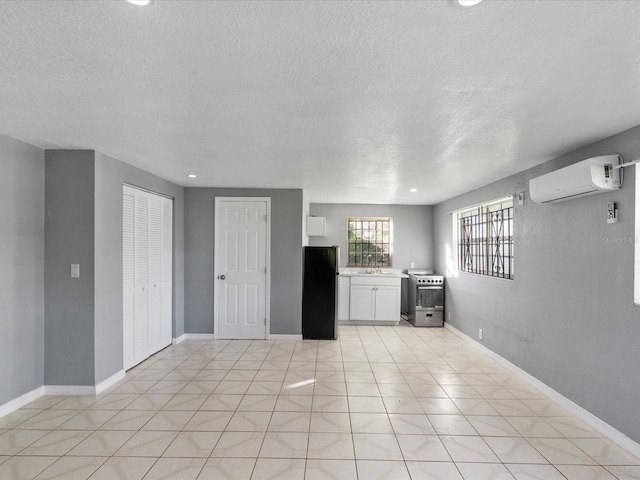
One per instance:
(84, 389)
(179, 339)
(113, 379)
(584, 415)
(21, 401)
(277, 336)
(199, 336)
(69, 390)
(211, 336)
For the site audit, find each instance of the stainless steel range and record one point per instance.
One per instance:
(426, 300)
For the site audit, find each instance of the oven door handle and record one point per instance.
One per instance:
(430, 288)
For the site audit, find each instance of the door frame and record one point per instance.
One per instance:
(267, 285)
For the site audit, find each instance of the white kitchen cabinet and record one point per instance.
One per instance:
(344, 287)
(374, 299)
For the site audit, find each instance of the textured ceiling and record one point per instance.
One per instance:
(351, 101)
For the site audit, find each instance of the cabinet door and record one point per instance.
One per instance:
(344, 288)
(387, 303)
(362, 302)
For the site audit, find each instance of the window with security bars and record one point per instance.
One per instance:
(485, 239)
(369, 241)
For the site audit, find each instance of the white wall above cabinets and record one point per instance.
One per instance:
(147, 255)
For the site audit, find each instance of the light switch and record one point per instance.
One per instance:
(75, 270)
(612, 213)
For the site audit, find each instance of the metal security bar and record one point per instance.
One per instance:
(485, 239)
(369, 241)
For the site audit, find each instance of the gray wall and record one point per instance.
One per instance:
(568, 318)
(22, 267)
(286, 257)
(412, 230)
(83, 317)
(110, 174)
(69, 236)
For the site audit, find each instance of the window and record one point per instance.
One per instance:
(485, 238)
(369, 241)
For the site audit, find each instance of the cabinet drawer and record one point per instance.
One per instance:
(374, 280)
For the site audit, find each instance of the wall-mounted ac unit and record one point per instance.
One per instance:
(594, 175)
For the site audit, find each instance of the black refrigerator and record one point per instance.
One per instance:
(320, 293)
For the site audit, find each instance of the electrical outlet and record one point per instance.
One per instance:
(449, 317)
(413, 265)
(480, 333)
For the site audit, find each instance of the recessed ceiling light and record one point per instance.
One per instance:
(468, 3)
(139, 3)
(413, 190)
(192, 175)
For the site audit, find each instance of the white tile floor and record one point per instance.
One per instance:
(379, 403)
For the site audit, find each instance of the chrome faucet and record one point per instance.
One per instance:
(373, 268)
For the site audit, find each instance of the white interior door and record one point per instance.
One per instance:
(241, 261)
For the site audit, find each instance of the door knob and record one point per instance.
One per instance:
(221, 277)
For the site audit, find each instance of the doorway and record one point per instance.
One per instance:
(241, 268)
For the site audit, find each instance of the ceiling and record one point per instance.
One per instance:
(355, 102)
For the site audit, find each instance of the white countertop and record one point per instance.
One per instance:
(362, 272)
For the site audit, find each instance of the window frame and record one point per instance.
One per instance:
(483, 236)
(375, 263)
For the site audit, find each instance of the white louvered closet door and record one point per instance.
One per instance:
(166, 273)
(147, 274)
(142, 277)
(154, 254)
(128, 274)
